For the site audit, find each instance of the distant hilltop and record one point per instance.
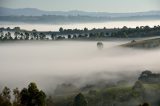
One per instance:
(37, 12)
(149, 77)
(33, 15)
(148, 43)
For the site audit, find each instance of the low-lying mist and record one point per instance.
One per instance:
(55, 62)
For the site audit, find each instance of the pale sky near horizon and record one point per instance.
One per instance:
(85, 5)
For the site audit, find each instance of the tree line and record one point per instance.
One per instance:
(74, 34)
(32, 96)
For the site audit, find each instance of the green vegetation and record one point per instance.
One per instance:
(30, 96)
(80, 100)
(141, 93)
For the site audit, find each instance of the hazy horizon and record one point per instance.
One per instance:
(112, 6)
(77, 10)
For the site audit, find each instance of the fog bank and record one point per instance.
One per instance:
(54, 62)
(55, 27)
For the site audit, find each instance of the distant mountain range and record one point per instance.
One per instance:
(32, 15)
(37, 12)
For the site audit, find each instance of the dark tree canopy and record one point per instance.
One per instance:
(32, 96)
(80, 100)
(5, 97)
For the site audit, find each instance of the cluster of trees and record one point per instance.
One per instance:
(143, 31)
(144, 104)
(125, 32)
(114, 95)
(30, 96)
(22, 36)
(149, 77)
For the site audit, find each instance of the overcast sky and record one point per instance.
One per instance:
(85, 5)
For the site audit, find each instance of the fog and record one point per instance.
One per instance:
(55, 27)
(54, 62)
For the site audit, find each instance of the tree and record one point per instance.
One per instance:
(41, 98)
(145, 104)
(69, 36)
(85, 29)
(61, 29)
(16, 35)
(31, 96)
(16, 101)
(6, 93)
(24, 97)
(5, 97)
(26, 36)
(102, 35)
(1, 35)
(124, 28)
(49, 101)
(7, 36)
(137, 85)
(80, 100)
(17, 28)
(22, 36)
(42, 36)
(8, 28)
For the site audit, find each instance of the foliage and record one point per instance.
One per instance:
(93, 34)
(30, 96)
(80, 100)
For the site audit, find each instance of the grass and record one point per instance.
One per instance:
(149, 43)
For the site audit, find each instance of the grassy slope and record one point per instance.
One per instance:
(149, 43)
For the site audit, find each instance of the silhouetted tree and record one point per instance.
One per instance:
(5, 97)
(69, 36)
(74, 37)
(85, 29)
(61, 29)
(138, 86)
(49, 101)
(42, 36)
(26, 36)
(145, 104)
(32, 96)
(16, 101)
(1, 35)
(102, 35)
(16, 35)
(80, 100)
(17, 28)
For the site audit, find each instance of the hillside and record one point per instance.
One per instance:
(37, 12)
(33, 15)
(118, 94)
(149, 43)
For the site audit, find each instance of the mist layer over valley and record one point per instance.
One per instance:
(55, 62)
(79, 53)
(89, 25)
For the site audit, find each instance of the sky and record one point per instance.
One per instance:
(114, 6)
